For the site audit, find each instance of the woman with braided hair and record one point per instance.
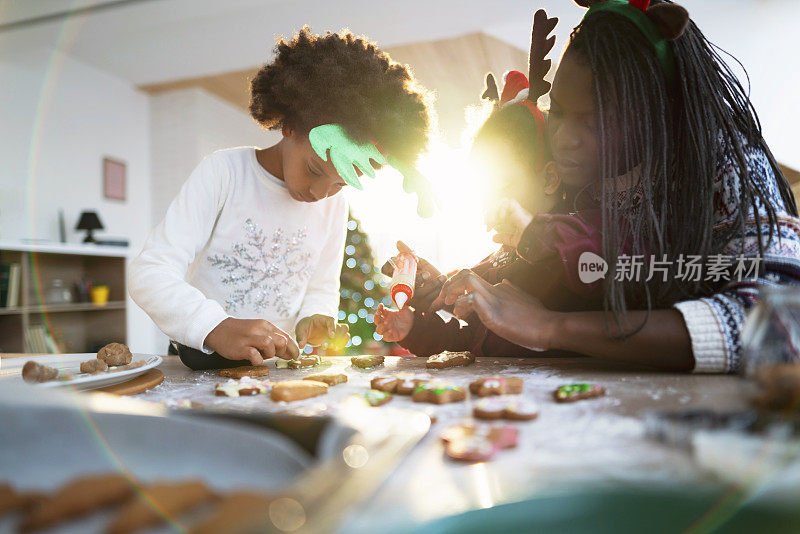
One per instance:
(649, 124)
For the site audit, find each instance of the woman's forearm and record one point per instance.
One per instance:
(662, 342)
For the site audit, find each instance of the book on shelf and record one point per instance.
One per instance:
(9, 285)
(39, 341)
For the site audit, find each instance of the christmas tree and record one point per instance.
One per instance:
(363, 287)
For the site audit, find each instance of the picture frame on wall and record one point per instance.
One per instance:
(114, 178)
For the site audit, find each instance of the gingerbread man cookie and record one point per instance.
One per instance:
(373, 397)
(477, 443)
(450, 359)
(242, 387)
(496, 385)
(436, 392)
(512, 409)
(576, 392)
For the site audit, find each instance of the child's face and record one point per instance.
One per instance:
(307, 177)
(572, 123)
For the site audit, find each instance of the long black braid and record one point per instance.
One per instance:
(667, 141)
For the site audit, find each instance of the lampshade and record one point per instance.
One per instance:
(89, 221)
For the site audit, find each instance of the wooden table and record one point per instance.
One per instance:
(600, 440)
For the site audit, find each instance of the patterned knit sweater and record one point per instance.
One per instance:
(715, 322)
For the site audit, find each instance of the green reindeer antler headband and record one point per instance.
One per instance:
(347, 155)
(659, 23)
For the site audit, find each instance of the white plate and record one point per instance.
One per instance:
(71, 363)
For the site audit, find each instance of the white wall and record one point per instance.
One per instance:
(59, 118)
(186, 125)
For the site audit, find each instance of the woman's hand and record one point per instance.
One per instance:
(503, 308)
(509, 219)
(393, 325)
(251, 339)
(428, 282)
(318, 329)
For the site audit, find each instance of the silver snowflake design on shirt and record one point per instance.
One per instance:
(264, 272)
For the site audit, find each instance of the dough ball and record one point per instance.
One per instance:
(115, 354)
(33, 372)
(94, 366)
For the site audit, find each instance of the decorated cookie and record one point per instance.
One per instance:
(115, 354)
(373, 397)
(449, 359)
(245, 370)
(332, 379)
(94, 366)
(302, 361)
(477, 443)
(242, 511)
(408, 383)
(159, 503)
(366, 361)
(576, 392)
(436, 392)
(242, 387)
(78, 497)
(292, 390)
(496, 385)
(498, 408)
(34, 372)
(384, 383)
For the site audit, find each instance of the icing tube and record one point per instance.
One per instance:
(405, 272)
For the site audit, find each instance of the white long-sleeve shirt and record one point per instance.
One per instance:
(235, 244)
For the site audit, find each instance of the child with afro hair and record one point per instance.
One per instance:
(251, 248)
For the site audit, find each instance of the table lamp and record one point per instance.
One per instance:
(89, 221)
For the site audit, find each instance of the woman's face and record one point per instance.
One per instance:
(572, 125)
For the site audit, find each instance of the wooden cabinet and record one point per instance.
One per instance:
(78, 326)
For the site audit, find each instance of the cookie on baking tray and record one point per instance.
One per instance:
(292, 390)
(576, 392)
(496, 385)
(242, 387)
(401, 383)
(236, 512)
(450, 359)
(499, 408)
(373, 397)
(77, 498)
(437, 392)
(298, 363)
(158, 503)
(332, 379)
(245, 370)
(478, 443)
(366, 361)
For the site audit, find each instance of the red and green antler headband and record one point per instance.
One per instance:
(659, 24)
(517, 90)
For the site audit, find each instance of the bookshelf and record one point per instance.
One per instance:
(77, 326)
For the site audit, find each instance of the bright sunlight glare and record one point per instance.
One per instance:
(455, 237)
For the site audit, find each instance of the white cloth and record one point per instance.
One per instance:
(235, 244)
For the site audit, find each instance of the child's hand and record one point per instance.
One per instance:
(317, 329)
(510, 220)
(428, 282)
(251, 339)
(393, 325)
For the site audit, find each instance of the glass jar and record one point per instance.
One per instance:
(771, 334)
(58, 293)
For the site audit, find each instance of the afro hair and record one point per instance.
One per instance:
(342, 79)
